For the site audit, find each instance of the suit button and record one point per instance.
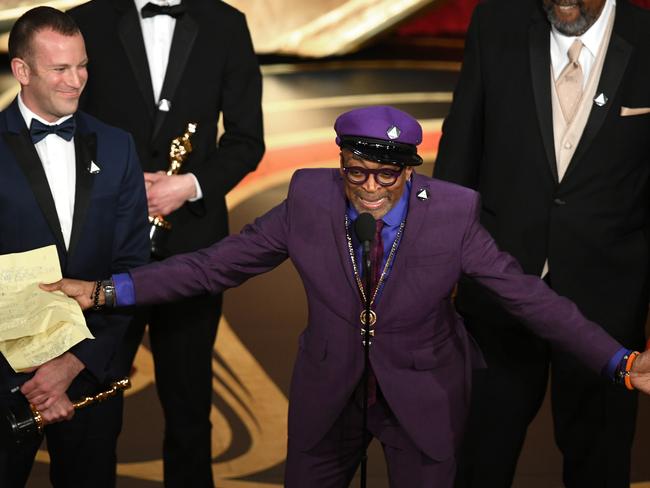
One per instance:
(559, 201)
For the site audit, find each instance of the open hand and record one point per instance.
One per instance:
(640, 373)
(81, 291)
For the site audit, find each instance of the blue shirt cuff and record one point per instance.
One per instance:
(613, 367)
(124, 290)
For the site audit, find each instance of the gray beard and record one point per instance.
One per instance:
(572, 29)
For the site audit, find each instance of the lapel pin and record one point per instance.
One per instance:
(600, 100)
(94, 169)
(164, 105)
(423, 194)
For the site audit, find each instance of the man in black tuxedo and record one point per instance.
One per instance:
(71, 181)
(551, 123)
(155, 69)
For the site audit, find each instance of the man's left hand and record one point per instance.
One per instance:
(640, 373)
(51, 381)
(60, 410)
(166, 193)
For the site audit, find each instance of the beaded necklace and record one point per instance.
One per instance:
(372, 319)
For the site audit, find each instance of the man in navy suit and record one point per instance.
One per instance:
(73, 182)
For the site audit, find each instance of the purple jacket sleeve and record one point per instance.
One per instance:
(528, 298)
(259, 247)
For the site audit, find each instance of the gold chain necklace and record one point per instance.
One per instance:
(372, 319)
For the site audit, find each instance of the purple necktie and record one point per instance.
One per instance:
(376, 258)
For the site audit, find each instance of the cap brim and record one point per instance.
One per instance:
(381, 151)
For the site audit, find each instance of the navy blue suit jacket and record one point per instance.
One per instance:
(109, 232)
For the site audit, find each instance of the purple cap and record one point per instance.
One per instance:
(380, 133)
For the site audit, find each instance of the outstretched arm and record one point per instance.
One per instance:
(258, 248)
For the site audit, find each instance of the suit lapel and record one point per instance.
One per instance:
(415, 217)
(617, 57)
(337, 220)
(185, 34)
(18, 139)
(130, 34)
(540, 62)
(415, 220)
(85, 145)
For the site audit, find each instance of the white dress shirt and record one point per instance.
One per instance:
(591, 40)
(58, 159)
(158, 32)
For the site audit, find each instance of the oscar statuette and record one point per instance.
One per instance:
(179, 149)
(22, 422)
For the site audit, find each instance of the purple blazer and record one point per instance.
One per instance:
(421, 353)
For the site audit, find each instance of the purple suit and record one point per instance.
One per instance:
(421, 354)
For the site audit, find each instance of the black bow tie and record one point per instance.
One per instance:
(39, 131)
(151, 10)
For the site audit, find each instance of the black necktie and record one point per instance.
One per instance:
(39, 131)
(151, 10)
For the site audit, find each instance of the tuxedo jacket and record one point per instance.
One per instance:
(109, 230)
(212, 69)
(420, 353)
(593, 226)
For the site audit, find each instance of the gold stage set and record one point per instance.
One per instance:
(258, 333)
(289, 27)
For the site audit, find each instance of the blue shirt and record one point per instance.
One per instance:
(392, 221)
(124, 290)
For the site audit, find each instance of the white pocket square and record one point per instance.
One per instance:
(628, 111)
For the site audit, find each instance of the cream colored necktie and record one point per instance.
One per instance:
(569, 84)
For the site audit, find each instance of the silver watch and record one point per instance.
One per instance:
(108, 287)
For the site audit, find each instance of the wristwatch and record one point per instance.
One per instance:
(108, 287)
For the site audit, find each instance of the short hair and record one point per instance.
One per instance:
(33, 21)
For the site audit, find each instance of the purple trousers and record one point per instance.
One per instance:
(334, 460)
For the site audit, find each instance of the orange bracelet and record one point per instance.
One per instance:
(628, 367)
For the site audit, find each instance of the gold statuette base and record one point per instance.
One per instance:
(159, 221)
(25, 423)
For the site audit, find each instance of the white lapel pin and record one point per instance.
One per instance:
(94, 169)
(423, 194)
(164, 105)
(600, 100)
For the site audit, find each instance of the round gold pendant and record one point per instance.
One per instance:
(372, 318)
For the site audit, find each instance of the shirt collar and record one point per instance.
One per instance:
(592, 39)
(28, 115)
